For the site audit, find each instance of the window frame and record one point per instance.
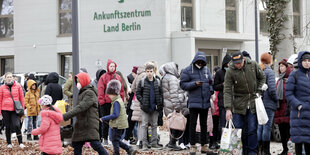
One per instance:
(186, 4)
(236, 9)
(2, 62)
(300, 19)
(60, 11)
(264, 11)
(8, 16)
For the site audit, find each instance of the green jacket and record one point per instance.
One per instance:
(86, 127)
(241, 86)
(121, 121)
(68, 90)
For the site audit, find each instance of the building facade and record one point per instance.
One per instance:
(36, 35)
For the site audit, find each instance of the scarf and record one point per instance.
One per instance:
(280, 86)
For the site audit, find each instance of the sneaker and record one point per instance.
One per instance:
(29, 137)
(109, 142)
(105, 142)
(182, 146)
(10, 146)
(126, 142)
(174, 147)
(132, 151)
(35, 138)
(144, 148)
(22, 145)
(156, 146)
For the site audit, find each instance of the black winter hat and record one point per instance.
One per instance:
(113, 87)
(305, 56)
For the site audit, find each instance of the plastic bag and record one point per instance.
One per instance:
(61, 104)
(261, 113)
(231, 143)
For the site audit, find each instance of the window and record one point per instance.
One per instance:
(66, 64)
(231, 15)
(263, 18)
(6, 19)
(65, 17)
(7, 64)
(187, 14)
(296, 17)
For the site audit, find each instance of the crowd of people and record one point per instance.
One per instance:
(110, 111)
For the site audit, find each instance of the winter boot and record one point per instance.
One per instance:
(131, 151)
(35, 138)
(260, 148)
(192, 150)
(29, 137)
(173, 146)
(266, 148)
(205, 149)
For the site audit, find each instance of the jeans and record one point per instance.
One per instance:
(32, 123)
(12, 124)
(106, 107)
(116, 141)
(151, 118)
(264, 131)
(96, 145)
(248, 124)
(203, 115)
(298, 148)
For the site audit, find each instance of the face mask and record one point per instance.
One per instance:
(79, 86)
(198, 66)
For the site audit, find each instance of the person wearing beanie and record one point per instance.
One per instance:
(246, 54)
(33, 107)
(49, 131)
(281, 116)
(270, 100)
(99, 73)
(297, 94)
(218, 85)
(83, 70)
(132, 75)
(118, 118)
(103, 98)
(290, 61)
(86, 128)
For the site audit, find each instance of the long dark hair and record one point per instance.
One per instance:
(50, 107)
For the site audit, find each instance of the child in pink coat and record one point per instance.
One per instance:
(49, 142)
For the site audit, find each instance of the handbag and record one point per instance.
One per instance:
(176, 121)
(231, 143)
(19, 109)
(261, 113)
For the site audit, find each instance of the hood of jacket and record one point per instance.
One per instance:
(226, 60)
(141, 69)
(171, 68)
(161, 70)
(108, 64)
(200, 56)
(300, 54)
(83, 78)
(52, 77)
(99, 73)
(130, 78)
(54, 115)
(30, 83)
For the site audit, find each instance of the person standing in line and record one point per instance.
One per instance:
(149, 94)
(197, 80)
(270, 100)
(297, 93)
(49, 141)
(68, 90)
(10, 118)
(33, 107)
(281, 116)
(243, 80)
(103, 98)
(86, 127)
(99, 73)
(53, 89)
(118, 118)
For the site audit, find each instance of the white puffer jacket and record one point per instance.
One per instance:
(174, 96)
(136, 114)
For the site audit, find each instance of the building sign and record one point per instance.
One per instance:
(118, 15)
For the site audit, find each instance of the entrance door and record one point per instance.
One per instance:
(213, 58)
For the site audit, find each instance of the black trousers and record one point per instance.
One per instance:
(216, 130)
(298, 148)
(12, 124)
(203, 114)
(131, 125)
(285, 134)
(106, 108)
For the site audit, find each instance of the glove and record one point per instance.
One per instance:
(264, 87)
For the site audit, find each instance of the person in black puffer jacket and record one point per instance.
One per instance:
(53, 89)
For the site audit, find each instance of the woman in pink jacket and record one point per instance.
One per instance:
(49, 130)
(11, 119)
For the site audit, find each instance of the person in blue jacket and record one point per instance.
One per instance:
(298, 97)
(197, 80)
(270, 101)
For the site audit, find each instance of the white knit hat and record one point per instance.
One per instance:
(291, 59)
(45, 100)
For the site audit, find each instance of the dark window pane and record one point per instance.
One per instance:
(65, 4)
(65, 23)
(187, 17)
(230, 3)
(6, 7)
(263, 22)
(6, 27)
(296, 25)
(209, 61)
(9, 65)
(186, 1)
(231, 24)
(296, 6)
